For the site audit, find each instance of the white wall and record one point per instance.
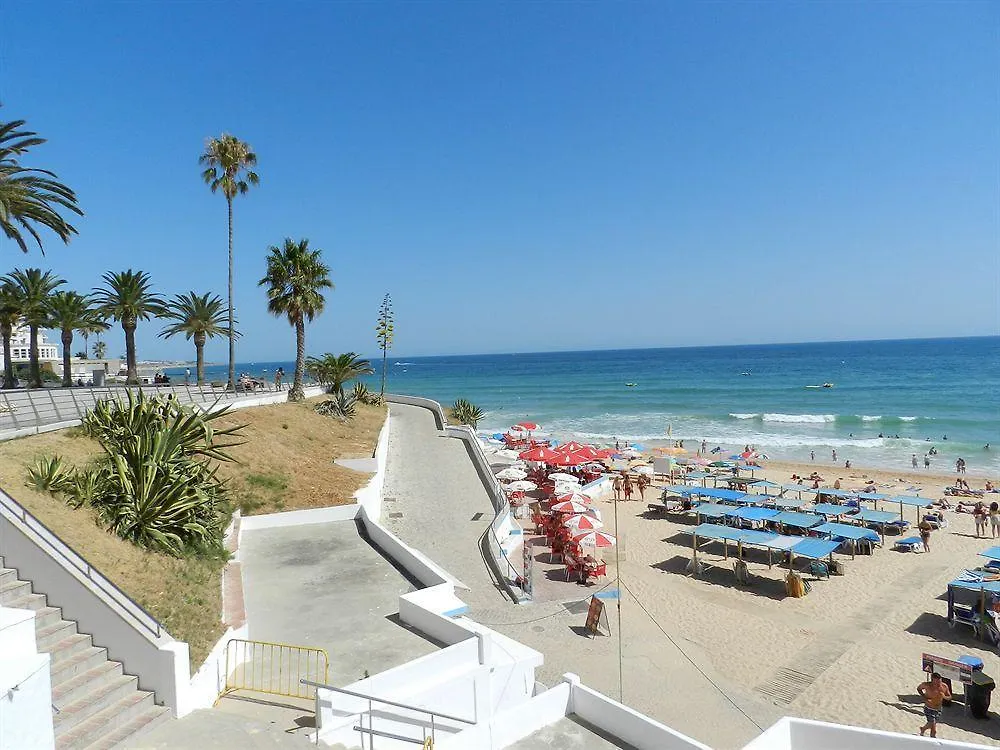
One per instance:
(804, 734)
(25, 690)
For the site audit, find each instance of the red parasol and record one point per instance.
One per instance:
(595, 539)
(568, 459)
(529, 426)
(541, 453)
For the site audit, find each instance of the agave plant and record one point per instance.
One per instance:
(467, 413)
(341, 406)
(85, 487)
(49, 474)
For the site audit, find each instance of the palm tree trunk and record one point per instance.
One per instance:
(199, 357)
(8, 364)
(231, 385)
(67, 342)
(296, 393)
(132, 374)
(35, 376)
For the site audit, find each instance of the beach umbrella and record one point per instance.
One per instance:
(541, 453)
(522, 486)
(563, 477)
(511, 473)
(670, 450)
(606, 452)
(527, 426)
(570, 506)
(720, 464)
(567, 459)
(698, 461)
(571, 447)
(583, 523)
(588, 452)
(595, 539)
(574, 496)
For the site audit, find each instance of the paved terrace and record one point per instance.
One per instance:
(435, 501)
(569, 733)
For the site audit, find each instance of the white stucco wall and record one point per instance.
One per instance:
(25, 690)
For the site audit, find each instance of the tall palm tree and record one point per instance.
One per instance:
(335, 370)
(200, 317)
(70, 312)
(33, 288)
(229, 167)
(30, 197)
(128, 297)
(10, 317)
(295, 280)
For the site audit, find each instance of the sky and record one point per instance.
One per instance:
(532, 176)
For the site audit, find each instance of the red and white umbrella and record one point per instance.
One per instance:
(511, 473)
(560, 476)
(574, 497)
(571, 447)
(567, 459)
(542, 453)
(526, 426)
(570, 506)
(595, 539)
(580, 524)
(521, 485)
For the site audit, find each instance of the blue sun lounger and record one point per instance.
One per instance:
(909, 544)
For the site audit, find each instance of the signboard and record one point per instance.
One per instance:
(594, 615)
(526, 584)
(955, 671)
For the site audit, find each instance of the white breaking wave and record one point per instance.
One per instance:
(800, 418)
(744, 416)
(868, 418)
(908, 419)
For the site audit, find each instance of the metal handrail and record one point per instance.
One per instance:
(67, 553)
(391, 736)
(387, 702)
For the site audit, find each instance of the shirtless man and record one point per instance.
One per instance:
(934, 694)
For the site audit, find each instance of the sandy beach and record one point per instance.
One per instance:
(848, 652)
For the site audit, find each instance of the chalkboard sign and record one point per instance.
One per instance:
(594, 616)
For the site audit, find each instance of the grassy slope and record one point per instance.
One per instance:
(287, 463)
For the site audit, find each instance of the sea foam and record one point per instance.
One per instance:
(800, 418)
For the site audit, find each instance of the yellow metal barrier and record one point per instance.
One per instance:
(274, 668)
(429, 743)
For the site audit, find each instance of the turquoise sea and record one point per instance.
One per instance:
(920, 390)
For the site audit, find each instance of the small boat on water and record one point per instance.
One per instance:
(631, 385)
(825, 385)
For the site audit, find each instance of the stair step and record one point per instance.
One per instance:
(106, 721)
(140, 724)
(78, 663)
(76, 687)
(45, 617)
(101, 695)
(49, 635)
(7, 573)
(65, 649)
(27, 601)
(11, 588)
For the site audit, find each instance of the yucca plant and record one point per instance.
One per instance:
(341, 406)
(85, 487)
(49, 474)
(467, 413)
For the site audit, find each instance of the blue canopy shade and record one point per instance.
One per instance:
(753, 513)
(829, 509)
(974, 582)
(920, 502)
(730, 533)
(835, 493)
(785, 503)
(698, 474)
(762, 483)
(710, 510)
(797, 488)
(846, 531)
(799, 520)
(679, 489)
(872, 496)
(876, 516)
(815, 549)
(718, 494)
(993, 553)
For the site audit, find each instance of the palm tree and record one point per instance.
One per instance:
(70, 312)
(128, 298)
(99, 349)
(30, 197)
(33, 288)
(295, 280)
(10, 317)
(335, 370)
(199, 317)
(229, 164)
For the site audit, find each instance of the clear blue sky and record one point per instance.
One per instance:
(533, 176)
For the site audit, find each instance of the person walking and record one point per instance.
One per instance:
(935, 693)
(279, 374)
(627, 486)
(995, 519)
(925, 534)
(980, 517)
(187, 376)
(812, 455)
(927, 462)
(834, 455)
(617, 486)
(913, 460)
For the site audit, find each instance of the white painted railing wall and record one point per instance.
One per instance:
(25, 688)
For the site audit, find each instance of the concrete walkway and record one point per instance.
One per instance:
(435, 501)
(569, 733)
(323, 585)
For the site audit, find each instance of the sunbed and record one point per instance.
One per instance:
(909, 544)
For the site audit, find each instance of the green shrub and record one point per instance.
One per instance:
(49, 474)
(341, 406)
(467, 413)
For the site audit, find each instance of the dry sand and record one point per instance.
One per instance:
(848, 652)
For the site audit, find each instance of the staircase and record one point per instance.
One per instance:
(95, 705)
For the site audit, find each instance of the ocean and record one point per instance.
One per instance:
(940, 393)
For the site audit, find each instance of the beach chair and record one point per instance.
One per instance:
(967, 616)
(572, 566)
(909, 544)
(819, 569)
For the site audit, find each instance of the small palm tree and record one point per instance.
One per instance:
(30, 198)
(33, 288)
(295, 280)
(334, 370)
(229, 164)
(100, 348)
(10, 317)
(127, 297)
(71, 312)
(200, 317)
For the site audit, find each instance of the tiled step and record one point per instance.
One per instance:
(78, 686)
(11, 588)
(45, 617)
(7, 573)
(27, 601)
(100, 696)
(106, 721)
(78, 663)
(67, 648)
(141, 723)
(48, 636)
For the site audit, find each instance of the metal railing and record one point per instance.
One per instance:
(427, 741)
(9, 507)
(274, 668)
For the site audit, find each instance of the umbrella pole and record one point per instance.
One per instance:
(618, 581)
(725, 548)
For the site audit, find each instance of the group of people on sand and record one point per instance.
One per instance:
(623, 485)
(982, 514)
